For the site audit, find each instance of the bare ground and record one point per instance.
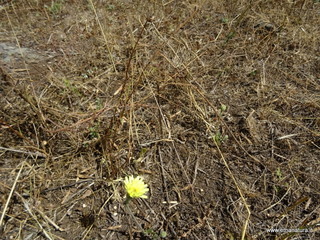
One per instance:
(215, 103)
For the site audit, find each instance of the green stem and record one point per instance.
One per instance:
(128, 198)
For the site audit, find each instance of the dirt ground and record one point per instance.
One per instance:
(215, 103)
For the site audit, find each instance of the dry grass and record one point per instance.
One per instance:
(215, 103)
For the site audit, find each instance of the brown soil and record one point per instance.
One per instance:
(215, 103)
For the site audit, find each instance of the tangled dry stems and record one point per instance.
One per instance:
(138, 89)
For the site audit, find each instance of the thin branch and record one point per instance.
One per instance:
(10, 194)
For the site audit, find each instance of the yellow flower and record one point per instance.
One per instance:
(135, 187)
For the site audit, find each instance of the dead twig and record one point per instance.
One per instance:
(10, 195)
(34, 154)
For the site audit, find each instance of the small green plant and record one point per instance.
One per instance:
(219, 138)
(55, 7)
(279, 173)
(230, 35)
(70, 87)
(154, 235)
(110, 7)
(253, 73)
(224, 20)
(93, 132)
(223, 108)
(99, 104)
(163, 234)
(141, 155)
